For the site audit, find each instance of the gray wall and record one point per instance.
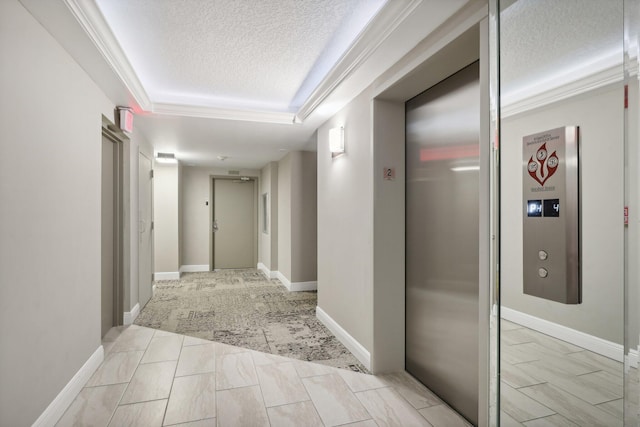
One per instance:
(284, 215)
(297, 217)
(50, 183)
(389, 237)
(268, 242)
(304, 217)
(600, 117)
(196, 189)
(166, 217)
(345, 222)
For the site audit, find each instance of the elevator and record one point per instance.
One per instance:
(442, 239)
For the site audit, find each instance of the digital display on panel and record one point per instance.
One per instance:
(551, 207)
(534, 208)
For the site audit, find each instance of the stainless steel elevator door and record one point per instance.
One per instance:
(442, 233)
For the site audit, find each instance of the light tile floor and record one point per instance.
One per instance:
(156, 378)
(549, 382)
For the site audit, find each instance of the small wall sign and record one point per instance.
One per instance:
(626, 215)
(389, 174)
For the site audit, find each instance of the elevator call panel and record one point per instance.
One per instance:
(551, 215)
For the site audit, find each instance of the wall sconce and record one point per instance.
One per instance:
(124, 119)
(336, 141)
(166, 158)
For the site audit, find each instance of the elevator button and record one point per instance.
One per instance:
(542, 272)
(543, 255)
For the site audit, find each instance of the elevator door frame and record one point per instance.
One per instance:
(436, 377)
(118, 140)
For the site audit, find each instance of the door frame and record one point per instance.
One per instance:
(150, 225)
(256, 192)
(111, 132)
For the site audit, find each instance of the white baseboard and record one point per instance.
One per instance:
(130, 316)
(589, 342)
(153, 291)
(303, 286)
(166, 275)
(59, 405)
(283, 280)
(296, 286)
(361, 353)
(270, 274)
(194, 268)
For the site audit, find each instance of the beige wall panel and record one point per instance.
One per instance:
(345, 222)
(600, 117)
(166, 218)
(50, 174)
(284, 215)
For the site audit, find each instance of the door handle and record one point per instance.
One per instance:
(215, 226)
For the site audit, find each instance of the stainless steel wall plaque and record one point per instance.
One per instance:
(551, 215)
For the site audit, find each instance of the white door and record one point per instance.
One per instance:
(108, 243)
(145, 230)
(234, 224)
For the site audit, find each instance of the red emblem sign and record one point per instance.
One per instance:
(543, 166)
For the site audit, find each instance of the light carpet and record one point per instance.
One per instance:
(245, 309)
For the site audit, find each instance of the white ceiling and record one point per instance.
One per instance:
(230, 77)
(246, 79)
(244, 54)
(548, 43)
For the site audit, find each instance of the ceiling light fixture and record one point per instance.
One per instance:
(465, 168)
(223, 158)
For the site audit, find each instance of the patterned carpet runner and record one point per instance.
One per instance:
(245, 309)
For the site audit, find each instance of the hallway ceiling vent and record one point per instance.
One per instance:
(166, 158)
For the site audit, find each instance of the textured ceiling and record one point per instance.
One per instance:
(541, 41)
(256, 47)
(245, 54)
(550, 42)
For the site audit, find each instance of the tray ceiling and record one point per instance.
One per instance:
(244, 59)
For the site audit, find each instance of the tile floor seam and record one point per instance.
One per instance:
(315, 407)
(608, 401)
(189, 422)
(405, 399)
(524, 363)
(292, 403)
(104, 385)
(115, 408)
(264, 404)
(195, 374)
(164, 415)
(142, 401)
(589, 373)
(572, 395)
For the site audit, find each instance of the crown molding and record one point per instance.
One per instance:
(90, 18)
(533, 98)
(92, 21)
(222, 113)
(379, 29)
